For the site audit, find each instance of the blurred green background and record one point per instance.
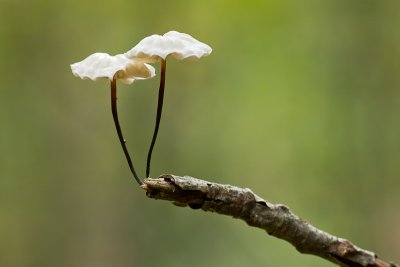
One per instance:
(299, 101)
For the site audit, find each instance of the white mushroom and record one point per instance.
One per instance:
(119, 67)
(176, 44)
(157, 48)
(102, 65)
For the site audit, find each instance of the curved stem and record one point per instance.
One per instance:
(159, 111)
(119, 132)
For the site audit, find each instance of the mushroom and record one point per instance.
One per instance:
(157, 48)
(113, 68)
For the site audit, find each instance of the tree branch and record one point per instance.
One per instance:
(276, 219)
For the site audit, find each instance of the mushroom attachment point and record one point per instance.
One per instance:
(113, 68)
(156, 48)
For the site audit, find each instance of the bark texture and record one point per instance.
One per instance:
(276, 219)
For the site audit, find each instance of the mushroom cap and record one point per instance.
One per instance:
(102, 65)
(179, 45)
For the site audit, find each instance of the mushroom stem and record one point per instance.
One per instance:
(158, 116)
(119, 132)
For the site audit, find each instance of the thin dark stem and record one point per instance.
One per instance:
(159, 111)
(120, 136)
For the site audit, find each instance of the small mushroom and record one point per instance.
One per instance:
(119, 67)
(113, 68)
(157, 48)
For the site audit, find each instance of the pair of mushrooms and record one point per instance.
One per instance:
(133, 65)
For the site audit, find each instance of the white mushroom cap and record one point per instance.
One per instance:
(102, 65)
(179, 45)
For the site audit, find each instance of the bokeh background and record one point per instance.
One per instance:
(299, 101)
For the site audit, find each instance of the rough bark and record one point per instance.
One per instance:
(276, 219)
